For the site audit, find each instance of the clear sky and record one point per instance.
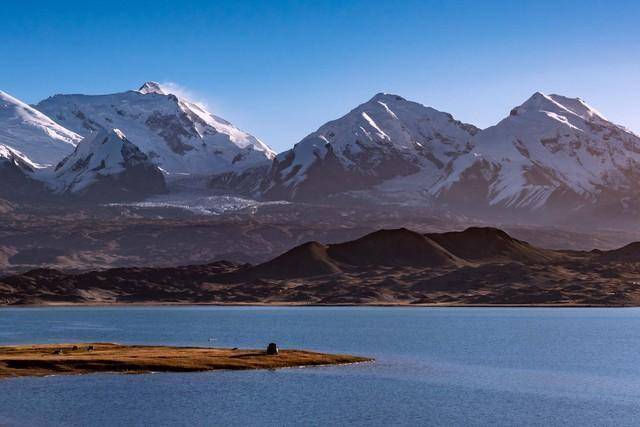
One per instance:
(279, 69)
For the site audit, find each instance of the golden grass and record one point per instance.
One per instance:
(60, 359)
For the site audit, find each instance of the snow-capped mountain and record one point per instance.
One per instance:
(32, 134)
(552, 152)
(383, 138)
(179, 136)
(106, 166)
(18, 176)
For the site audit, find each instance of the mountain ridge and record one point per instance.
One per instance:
(311, 274)
(32, 133)
(380, 139)
(178, 135)
(552, 154)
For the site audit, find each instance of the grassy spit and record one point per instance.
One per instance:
(85, 358)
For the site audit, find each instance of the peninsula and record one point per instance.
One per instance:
(86, 358)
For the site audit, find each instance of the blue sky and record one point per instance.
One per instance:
(280, 69)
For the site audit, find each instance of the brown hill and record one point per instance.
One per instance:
(385, 267)
(629, 253)
(307, 260)
(487, 244)
(399, 247)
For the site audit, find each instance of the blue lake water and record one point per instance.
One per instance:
(434, 366)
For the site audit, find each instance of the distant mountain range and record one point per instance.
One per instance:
(476, 266)
(552, 154)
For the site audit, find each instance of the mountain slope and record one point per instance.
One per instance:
(33, 134)
(553, 152)
(384, 268)
(17, 176)
(383, 138)
(394, 247)
(399, 247)
(177, 135)
(308, 259)
(106, 166)
(486, 244)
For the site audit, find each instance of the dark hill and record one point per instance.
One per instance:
(628, 253)
(306, 260)
(384, 267)
(487, 244)
(399, 247)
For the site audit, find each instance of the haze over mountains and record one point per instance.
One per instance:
(476, 266)
(552, 154)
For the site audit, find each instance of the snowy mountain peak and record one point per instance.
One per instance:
(178, 135)
(551, 150)
(540, 102)
(382, 138)
(385, 97)
(152, 87)
(579, 107)
(33, 134)
(560, 105)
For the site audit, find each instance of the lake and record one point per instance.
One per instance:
(434, 366)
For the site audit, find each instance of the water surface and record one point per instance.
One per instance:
(435, 366)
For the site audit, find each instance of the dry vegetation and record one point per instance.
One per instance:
(67, 359)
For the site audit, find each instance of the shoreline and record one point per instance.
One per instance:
(300, 305)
